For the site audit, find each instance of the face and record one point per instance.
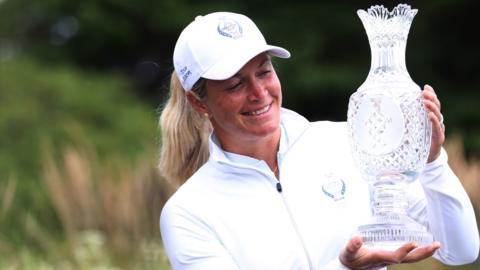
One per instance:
(246, 107)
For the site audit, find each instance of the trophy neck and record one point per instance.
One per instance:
(387, 34)
(388, 195)
(388, 58)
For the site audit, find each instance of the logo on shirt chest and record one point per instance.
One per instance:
(334, 187)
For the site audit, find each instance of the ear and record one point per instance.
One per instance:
(197, 104)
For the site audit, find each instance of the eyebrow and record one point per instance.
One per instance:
(265, 61)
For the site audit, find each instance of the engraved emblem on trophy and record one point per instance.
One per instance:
(389, 130)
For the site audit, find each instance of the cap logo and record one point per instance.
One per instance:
(185, 73)
(229, 28)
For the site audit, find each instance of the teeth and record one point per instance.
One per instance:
(262, 110)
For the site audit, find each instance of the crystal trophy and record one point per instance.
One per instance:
(389, 130)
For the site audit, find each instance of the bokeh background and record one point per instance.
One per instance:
(82, 83)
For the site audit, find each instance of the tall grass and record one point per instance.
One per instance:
(112, 206)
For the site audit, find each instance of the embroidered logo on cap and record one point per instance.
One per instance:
(334, 187)
(229, 28)
(185, 73)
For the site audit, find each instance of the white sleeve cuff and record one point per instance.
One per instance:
(335, 265)
(441, 160)
(434, 169)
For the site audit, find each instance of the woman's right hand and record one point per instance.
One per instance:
(354, 256)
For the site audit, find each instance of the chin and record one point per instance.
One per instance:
(268, 130)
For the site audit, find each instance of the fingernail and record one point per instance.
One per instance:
(358, 244)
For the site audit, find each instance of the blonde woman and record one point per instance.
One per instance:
(255, 179)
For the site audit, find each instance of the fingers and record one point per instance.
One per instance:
(399, 255)
(433, 104)
(429, 94)
(393, 257)
(421, 253)
(350, 253)
(352, 256)
(353, 246)
(437, 122)
(356, 257)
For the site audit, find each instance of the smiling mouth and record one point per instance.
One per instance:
(259, 111)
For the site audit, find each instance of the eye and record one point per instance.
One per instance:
(234, 86)
(264, 73)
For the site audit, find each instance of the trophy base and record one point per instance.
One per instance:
(387, 235)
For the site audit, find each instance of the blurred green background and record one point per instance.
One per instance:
(82, 82)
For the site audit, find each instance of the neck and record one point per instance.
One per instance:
(265, 148)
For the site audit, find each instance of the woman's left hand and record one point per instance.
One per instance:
(355, 256)
(438, 128)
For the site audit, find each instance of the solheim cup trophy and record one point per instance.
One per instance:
(389, 130)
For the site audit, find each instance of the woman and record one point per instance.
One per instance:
(225, 131)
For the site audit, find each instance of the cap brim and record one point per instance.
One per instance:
(229, 66)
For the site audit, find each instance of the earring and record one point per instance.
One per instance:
(206, 115)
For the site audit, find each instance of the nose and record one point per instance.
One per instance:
(258, 90)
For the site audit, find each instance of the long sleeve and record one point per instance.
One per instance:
(189, 243)
(449, 213)
(336, 265)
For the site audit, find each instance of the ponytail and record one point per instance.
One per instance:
(185, 134)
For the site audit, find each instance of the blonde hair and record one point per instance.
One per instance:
(185, 134)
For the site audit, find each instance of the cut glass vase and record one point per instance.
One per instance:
(389, 130)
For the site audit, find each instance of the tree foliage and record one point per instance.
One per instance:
(330, 53)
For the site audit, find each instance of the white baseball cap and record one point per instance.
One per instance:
(216, 46)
